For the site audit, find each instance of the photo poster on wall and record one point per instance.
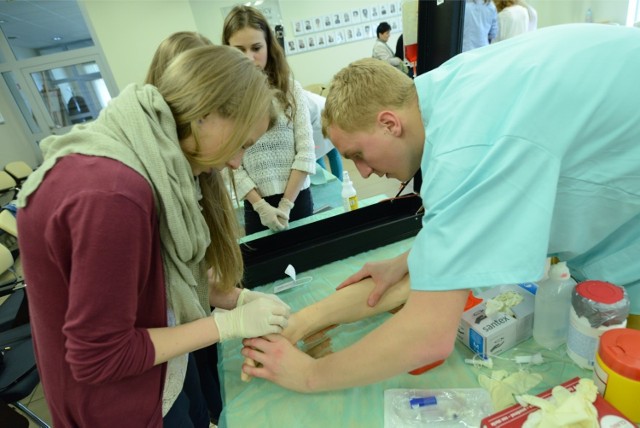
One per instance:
(340, 27)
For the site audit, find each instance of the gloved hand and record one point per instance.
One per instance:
(270, 217)
(247, 296)
(253, 319)
(285, 206)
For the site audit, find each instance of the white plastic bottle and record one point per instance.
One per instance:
(552, 307)
(349, 196)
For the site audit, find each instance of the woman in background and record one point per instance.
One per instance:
(274, 178)
(206, 358)
(533, 15)
(513, 19)
(116, 247)
(382, 51)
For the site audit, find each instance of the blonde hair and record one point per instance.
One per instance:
(222, 81)
(361, 90)
(170, 48)
(277, 68)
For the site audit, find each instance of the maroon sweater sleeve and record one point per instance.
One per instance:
(91, 253)
(90, 246)
(111, 235)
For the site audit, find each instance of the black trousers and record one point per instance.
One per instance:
(190, 408)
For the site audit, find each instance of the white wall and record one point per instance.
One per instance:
(554, 12)
(129, 32)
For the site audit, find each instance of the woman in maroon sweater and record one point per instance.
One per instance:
(116, 242)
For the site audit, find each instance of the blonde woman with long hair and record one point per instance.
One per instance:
(115, 247)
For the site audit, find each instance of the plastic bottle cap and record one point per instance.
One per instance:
(559, 271)
(600, 291)
(619, 349)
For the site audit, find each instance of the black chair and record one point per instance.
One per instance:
(19, 374)
(18, 371)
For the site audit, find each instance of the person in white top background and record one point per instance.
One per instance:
(323, 146)
(274, 178)
(513, 19)
(533, 16)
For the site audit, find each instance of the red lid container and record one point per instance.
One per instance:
(600, 291)
(619, 349)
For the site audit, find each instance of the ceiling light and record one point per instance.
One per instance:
(56, 38)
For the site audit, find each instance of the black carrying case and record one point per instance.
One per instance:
(335, 238)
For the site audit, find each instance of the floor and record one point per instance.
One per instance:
(37, 404)
(365, 188)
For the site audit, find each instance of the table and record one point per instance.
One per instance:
(260, 403)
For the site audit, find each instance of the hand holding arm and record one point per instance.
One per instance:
(346, 305)
(253, 319)
(407, 345)
(384, 274)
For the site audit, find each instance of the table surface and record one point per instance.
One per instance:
(260, 403)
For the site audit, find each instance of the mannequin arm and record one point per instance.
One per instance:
(346, 305)
(349, 304)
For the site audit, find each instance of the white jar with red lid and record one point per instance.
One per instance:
(596, 307)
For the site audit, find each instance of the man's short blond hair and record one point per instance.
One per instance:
(361, 90)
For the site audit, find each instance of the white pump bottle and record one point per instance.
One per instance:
(552, 307)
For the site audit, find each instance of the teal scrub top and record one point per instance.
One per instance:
(532, 149)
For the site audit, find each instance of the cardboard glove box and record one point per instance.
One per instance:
(491, 335)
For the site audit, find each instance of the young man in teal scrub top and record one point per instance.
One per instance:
(528, 148)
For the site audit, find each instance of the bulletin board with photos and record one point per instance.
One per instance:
(340, 27)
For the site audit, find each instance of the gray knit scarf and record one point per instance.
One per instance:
(137, 128)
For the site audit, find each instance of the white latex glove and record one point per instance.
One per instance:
(285, 206)
(253, 319)
(270, 217)
(247, 296)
